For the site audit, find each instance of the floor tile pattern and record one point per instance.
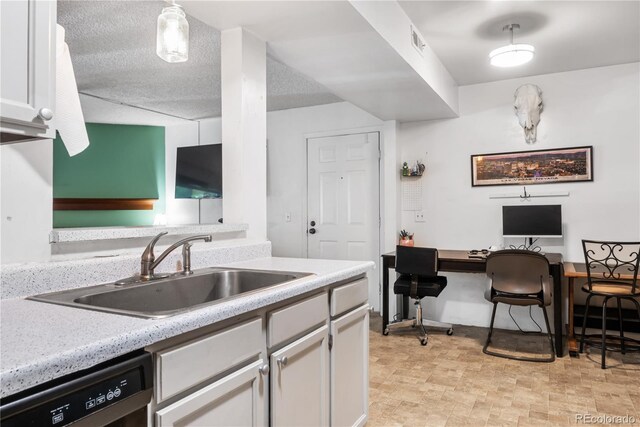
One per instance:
(450, 382)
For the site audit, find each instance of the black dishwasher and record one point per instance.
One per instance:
(113, 393)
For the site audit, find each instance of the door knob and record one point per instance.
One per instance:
(312, 231)
(45, 114)
(282, 361)
(312, 223)
(264, 369)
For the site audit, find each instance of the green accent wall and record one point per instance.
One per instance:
(122, 161)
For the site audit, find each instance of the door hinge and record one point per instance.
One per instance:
(330, 342)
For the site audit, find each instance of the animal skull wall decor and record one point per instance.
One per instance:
(528, 105)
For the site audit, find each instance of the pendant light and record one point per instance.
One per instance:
(172, 40)
(511, 55)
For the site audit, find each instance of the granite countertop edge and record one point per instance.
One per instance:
(131, 333)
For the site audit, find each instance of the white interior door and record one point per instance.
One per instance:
(343, 214)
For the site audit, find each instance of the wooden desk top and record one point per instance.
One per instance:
(579, 270)
(460, 255)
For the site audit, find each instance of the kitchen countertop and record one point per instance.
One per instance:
(41, 341)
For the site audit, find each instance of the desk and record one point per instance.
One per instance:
(572, 271)
(459, 262)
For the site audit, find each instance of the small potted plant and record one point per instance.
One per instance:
(406, 239)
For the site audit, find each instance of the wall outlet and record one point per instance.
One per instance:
(287, 217)
(419, 216)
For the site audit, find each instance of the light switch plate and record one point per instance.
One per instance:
(287, 216)
(419, 216)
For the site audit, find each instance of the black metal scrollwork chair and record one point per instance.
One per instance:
(418, 269)
(519, 277)
(612, 272)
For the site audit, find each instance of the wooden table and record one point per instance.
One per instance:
(458, 261)
(572, 271)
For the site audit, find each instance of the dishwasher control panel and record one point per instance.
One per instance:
(79, 404)
(79, 398)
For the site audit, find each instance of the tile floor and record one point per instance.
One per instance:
(450, 382)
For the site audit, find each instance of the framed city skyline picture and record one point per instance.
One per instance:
(574, 164)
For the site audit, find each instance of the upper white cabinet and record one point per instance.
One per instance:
(27, 88)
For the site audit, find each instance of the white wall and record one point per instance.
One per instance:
(185, 211)
(598, 107)
(211, 133)
(287, 166)
(26, 198)
(178, 211)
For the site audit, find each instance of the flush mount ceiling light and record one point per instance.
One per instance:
(172, 40)
(511, 55)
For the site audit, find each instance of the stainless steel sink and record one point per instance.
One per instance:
(172, 295)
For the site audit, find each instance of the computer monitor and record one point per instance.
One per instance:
(532, 221)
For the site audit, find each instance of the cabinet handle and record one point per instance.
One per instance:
(45, 114)
(264, 370)
(282, 361)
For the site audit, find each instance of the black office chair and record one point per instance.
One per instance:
(607, 264)
(418, 269)
(519, 277)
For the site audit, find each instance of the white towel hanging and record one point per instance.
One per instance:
(69, 118)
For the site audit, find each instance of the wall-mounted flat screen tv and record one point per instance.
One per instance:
(532, 221)
(199, 172)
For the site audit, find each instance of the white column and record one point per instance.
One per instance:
(244, 131)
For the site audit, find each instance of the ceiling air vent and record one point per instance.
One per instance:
(416, 40)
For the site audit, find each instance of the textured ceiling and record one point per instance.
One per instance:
(112, 45)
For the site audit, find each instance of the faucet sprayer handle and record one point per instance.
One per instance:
(186, 259)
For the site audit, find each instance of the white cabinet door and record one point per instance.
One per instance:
(300, 382)
(349, 368)
(236, 400)
(27, 77)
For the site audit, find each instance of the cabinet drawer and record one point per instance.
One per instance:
(297, 318)
(193, 362)
(349, 296)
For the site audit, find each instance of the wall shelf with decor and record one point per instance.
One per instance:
(530, 196)
(525, 195)
(415, 171)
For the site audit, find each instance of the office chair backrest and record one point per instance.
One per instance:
(417, 261)
(607, 261)
(517, 271)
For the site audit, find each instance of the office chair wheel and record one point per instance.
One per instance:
(385, 332)
(450, 331)
(423, 341)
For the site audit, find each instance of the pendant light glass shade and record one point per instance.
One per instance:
(512, 55)
(172, 42)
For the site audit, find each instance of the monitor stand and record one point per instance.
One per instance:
(528, 245)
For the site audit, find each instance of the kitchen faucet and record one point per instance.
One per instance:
(149, 262)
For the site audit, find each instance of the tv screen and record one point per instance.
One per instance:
(532, 221)
(199, 172)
